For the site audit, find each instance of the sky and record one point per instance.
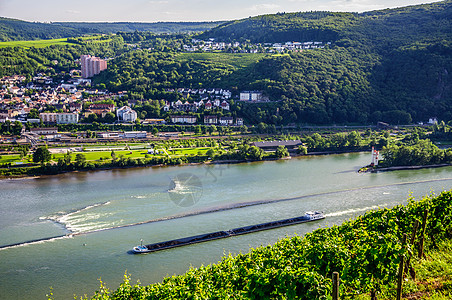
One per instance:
(177, 10)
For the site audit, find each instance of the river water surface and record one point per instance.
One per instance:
(80, 210)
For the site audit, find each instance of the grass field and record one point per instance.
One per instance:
(51, 42)
(10, 158)
(106, 154)
(139, 153)
(97, 155)
(36, 43)
(188, 151)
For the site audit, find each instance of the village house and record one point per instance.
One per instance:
(8, 114)
(154, 121)
(75, 107)
(209, 120)
(226, 121)
(100, 109)
(183, 119)
(225, 105)
(44, 131)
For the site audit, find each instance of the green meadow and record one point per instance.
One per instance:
(34, 43)
(52, 42)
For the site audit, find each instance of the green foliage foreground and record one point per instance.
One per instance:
(365, 251)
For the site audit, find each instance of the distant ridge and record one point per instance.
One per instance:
(157, 27)
(16, 30)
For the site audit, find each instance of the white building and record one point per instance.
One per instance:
(48, 117)
(250, 96)
(59, 118)
(183, 119)
(67, 118)
(126, 114)
(133, 134)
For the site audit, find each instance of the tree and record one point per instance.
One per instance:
(262, 127)
(41, 155)
(281, 152)
(211, 129)
(354, 138)
(255, 153)
(113, 155)
(33, 114)
(91, 118)
(302, 150)
(109, 118)
(80, 160)
(67, 158)
(210, 153)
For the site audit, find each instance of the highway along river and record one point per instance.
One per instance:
(75, 228)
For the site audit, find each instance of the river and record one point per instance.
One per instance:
(88, 205)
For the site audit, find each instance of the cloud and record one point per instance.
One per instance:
(352, 5)
(265, 6)
(158, 2)
(73, 12)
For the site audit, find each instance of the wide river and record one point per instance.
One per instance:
(88, 204)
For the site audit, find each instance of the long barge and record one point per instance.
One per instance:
(308, 217)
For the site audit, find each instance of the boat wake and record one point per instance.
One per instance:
(353, 210)
(34, 242)
(70, 220)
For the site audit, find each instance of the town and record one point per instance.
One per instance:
(213, 45)
(41, 100)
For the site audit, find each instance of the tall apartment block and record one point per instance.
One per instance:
(92, 65)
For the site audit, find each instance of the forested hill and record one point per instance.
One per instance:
(14, 30)
(382, 28)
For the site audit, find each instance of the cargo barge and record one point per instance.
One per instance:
(308, 217)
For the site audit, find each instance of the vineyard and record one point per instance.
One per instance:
(365, 251)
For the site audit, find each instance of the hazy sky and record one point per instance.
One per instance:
(177, 10)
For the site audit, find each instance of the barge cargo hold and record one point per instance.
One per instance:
(308, 217)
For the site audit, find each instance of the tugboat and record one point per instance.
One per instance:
(314, 215)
